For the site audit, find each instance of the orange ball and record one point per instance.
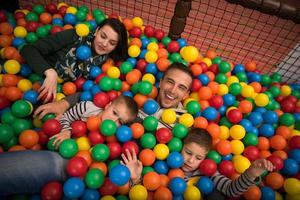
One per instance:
(140, 99)
(162, 53)
(250, 66)
(263, 143)
(9, 80)
(10, 52)
(204, 104)
(124, 189)
(175, 173)
(28, 138)
(284, 131)
(67, 27)
(128, 24)
(256, 86)
(36, 147)
(93, 123)
(5, 40)
(196, 69)
(211, 54)
(214, 86)
(253, 193)
(137, 130)
(151, 181)
(136, 41)
(153, 94)
(224, 147)
(163, 64)
(264, 154)
(210, 75)
(99, 165)
(147, 157)
(282, 154)
(164, 180)
(13, 93)
(213, 129)
(204, 93)
(278, 142)
(6, 28)
(245, 106)
(200, 122)
(125, 86)
(163, 193)
(274, 180)
(69, 88)
(86, 155)
(17, 148)
(45, 18)
(21, 22)
(133, 76)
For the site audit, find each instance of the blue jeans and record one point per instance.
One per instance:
(26, 172)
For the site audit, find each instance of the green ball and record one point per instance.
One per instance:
(106, 83)
(165, 41)
(296, 93)
(31, 37)
(193, 107)
(100, 152)
(81, 15)
(236, 103)
(90, 26)
(235, 89)
(271, 105)
(269, 94)
(125, 67)
(153, 39)
(8, 118)
(221, 78)
(113, 163)
(21, 125)
(48, 27)
(148, 141)
(150, 123)
(276, 77)
(287, 119)
(31, 16)
(48, 116)
(179, 131)
(94, 178)
(38, 9)
(265, 80)
(216, 60)
(175, 57)
(117, 84)
(250, 140)
(35, 77)
(146, 170)
(145, 87)
(51, 146)
(241, 76)
(276, 105)
(21, 108)
(224, 67)
(297, 125)
(12, 142)
(121, 197)
(59, 88)
(42, 31)
(135, 87)
(68, 148)
(215, 156)
(225, 122)
(83, 9)
(6, 133)
(108, 127)
(97, 12)
(275, 91)
(175, 144)
(99, 19)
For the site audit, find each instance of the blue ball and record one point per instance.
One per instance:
(175, 160)
(222, 110)
(228, 99)
(18, 42)
(119, 175)
(177, 197)
(124, 133)
(238, 68)
(205, 185)
(267, 193)
(253, 77)
(177, 186)
(159, 75)
(132, 61)
(143, 53)
(255, 118)
(57, 22)
(246, 124)
(151, 68)
(210, 113)
(182, 42)
(204, 79)
(95, 89)
(127, 94)
(86, 96)
(297, 116)
(227, 157)
(70, 18)
(31, 96)
(83, 52)
(161, 167)
(25, 70)
(94, 24)
(145, 41)
(95, 71)
(270, 117)
(150, 107)
(73, 188)
(90, 194)
(254, 130)
(266, 130)
(290, 167)
(260, 110)
(295, 155)
(87, 85)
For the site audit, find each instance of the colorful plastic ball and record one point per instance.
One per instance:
(52, 190)
(177, 185)
(168, 116)
(20, 125)
(119, 175)
(94, 178)
(51, 127)
(270, 117)
(286, 119)
(290, 167)
(150, 107)
(250, 139)
(234, 116)
(175, 160)
(73, 187)
(208, 167)
(189, 53)
(90, 194)
(151, 56)
(175, 145)
(148, 141)
(21, 108)
(192, 192)
(20, 32)
(31, 96)
(115, 150)
(100, 152)
(292, 186)
(106, 83)
(294, 142)
(77, 166)
(83, 52)
(182, 42)
(241, 163)
(124, 133)
(160, 167)
(276, 161)
(145, 87)
(70, 18)
(138, 192)
(237, 132)
(68, 148)
(163, 135)
(86, 96)
(82, 30)
(12, 66)
(6, 133)
(95, 71)
(179, 131)
(267, 193)
(161, 151)
(108, 127)
(134, 51)
(255, 118)
(150, 123)
(248, 91)
(186, 119)
(237, 147)
(261, 100)
(113, 72)
(101, 99)
(266, 130)
(226, 168)
(215, 156)
(205, 185)
(285, 90)
(193, 107)
(42, 31)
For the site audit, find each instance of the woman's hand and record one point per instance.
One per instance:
(58, 108)
(48, 89)
(60, 137)
(133, 164)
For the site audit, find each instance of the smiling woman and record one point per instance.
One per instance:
(57, 55)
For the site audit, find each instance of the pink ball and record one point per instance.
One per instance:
(115, 150)
(235, 116)
(95, 137)
(101, 99)
(208, 167)
(79, 129)
(77, 166)
(163, 135)
(51, 127)
(226, 168)
(251, 152)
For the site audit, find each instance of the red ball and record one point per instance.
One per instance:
(297, 109)
(279, 99)
(287, 106)
(161, 45)
(32, 26)
(77, 166)
(51, 8)
(3, 17)
(4, 102)
(196, 85)
(52, 191)
(101, 99)
(141, 65)
(214, 68)
(216, 101)
(62, 10)
(79, 83)
(135, 32)
(99, 77)
(276, 161)
(112, 94)
(159, 34)
(43, 138)
(251, 152)
(294, 142)
(56, 29)
(113, 16)
(149, 31)
(163, 135)
(234, 116)
(51, 127)
(130, 145)
(108, 188)
(292, 99)
(208, 167)
(204, 67)
(115, 150)
(44, 97)
(19, 15)
(79, 128)
(226, 168)
(173, 47)
(95, 137)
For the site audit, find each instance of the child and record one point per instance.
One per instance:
(121, 110)
(196, 146)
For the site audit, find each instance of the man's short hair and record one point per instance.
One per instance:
(181, 67)
(200, 137)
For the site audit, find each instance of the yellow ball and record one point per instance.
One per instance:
(168, 116)
(149, 77)
(237, 147)
(134, 51)
(207, 61)
(113, 72)
(278, 196)
(71, 10)
(224, 132)
(187, 100)
(161, 151)
(137, 21)
(138, 192)
(61, 4)
(83, 143)
(151, 56)
(237, 132)
(12, 66)
(189, 53)
(194, 95)
(232, 79)
(59, 96)
(20, 32)
(247, 91)
(261, 99)
(243, 84)
(222, 90)
(152, 46)
(240, 163)
(192, 193)
(1, 76)
(82, 30)
(186, 119)
(24, 85)
(292, 197)
(285, 90)
(107, 197)
(292, 186)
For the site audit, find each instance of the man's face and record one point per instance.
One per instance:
(193, 154)
(106, 40)
(174, 87)
(118, 113)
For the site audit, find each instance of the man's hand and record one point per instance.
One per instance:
(133, 164)
(60, 137)
(258, 167)
(49, 86)
(57, 108)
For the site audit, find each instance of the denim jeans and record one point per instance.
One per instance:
(26, 172)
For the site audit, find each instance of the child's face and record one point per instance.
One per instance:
(193, 154)
(117, 112)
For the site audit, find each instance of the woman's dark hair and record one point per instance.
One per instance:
(120, 52)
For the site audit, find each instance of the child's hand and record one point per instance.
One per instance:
(133, 164)
(258, 167)
(60, 137)
(49, 86)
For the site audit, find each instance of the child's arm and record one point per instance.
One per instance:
(234, 188)
(134, 165)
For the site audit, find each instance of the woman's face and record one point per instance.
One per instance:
(106, 40)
